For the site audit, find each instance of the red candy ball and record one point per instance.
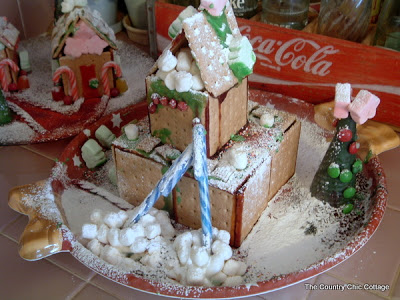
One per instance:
(68, 100)
(182, 106)
(172, 103)
(345, 135)
(334, 122)
(12, 87)
(353, 148)
(152, 108)
(114, 92)
(164, 101)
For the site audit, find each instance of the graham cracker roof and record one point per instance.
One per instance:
(9, 35)
(66, 23)
(208, 52)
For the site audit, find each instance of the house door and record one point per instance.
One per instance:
(88, 74)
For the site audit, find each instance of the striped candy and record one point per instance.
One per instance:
(6, 62)
(73, 88)
(104, 75)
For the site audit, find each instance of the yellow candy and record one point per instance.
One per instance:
(121, 85)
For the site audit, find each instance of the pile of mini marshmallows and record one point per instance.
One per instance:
(179, 72)
(151, 243)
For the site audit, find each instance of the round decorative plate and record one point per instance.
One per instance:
(296, 257)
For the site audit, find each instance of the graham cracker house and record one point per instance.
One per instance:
(9, 40)
(83, 42)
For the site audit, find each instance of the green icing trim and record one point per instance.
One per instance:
(240, 70)
(220, 25)
(163, 134)
(196, 101)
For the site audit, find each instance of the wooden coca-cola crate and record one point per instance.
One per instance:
(308, 66)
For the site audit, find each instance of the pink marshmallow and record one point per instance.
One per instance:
(342, 100)
(363, 106)
(214, 7)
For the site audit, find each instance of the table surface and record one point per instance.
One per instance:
(63, 277)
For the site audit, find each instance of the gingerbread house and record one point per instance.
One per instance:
(83, 49)
(203, 74)
(9, 39)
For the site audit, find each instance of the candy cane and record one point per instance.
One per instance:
(104, 75)
(3, 64)
(71, 78)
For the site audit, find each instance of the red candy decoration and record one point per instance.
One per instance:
(57, 93)
(152, 108)
(12, 87)
(345, 135)
(68, 100)
(353, 148)
(334, 122)
(156, 100)
(182, 106)
(164, 101)
(114, 92)
(172, 103)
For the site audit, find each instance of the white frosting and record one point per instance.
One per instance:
(267, 120)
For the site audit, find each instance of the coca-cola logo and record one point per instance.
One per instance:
(293, 53)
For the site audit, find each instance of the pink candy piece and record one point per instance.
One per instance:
(363, 106)
(214, 7)
(342, 100)
(84, 41)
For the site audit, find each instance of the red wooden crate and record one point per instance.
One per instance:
(308, 66)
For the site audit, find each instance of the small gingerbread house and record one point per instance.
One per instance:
(195, 77)
(9, 39)
(83, 44)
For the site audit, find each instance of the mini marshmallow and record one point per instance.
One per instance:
(363, 106)
(267, 120)
(161, 74)
(183, 81)
(170, 81)
(195, 275)
(231, 267)
(233, 281)
(138, 230)
(197, 238)
(89, 231)
(153, 247)
(139, 245)
(215, 265)
(167, 230)
(96, 216)
(151, 260)
(131, 131)
(199, 256)
(113, 219)
(162, 217)
(152, 230)
(167, 61)
(95, 246)
(198, 84)
(218, 279)
(222, 249)
(182, 245)
(224, 236)
(146, 220)
(184, 60)
(102, 233)
(342, 100)
(238, 159)
(113, 237)
(111, 255)
(127, 237)
(123, 216)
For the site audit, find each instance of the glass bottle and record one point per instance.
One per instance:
(286, 13)
(345, 19)
(245, 8)
(388, 27)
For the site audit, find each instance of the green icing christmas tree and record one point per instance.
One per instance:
(5, 112)
(335, 179)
